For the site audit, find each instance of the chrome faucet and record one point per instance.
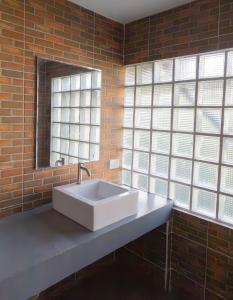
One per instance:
(80, 169)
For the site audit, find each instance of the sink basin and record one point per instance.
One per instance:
(95, 203)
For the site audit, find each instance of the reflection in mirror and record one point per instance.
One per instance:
(68, 114)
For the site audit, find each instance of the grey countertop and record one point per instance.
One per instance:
(41, 247)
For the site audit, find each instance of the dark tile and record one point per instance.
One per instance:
(183, 288)
(220, 274)
(209, 295)
(188, 258)
(155, 247)
(220, 238)
(190, 227)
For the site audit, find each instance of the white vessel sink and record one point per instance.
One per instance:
(95, 203)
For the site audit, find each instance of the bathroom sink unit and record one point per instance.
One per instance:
(95, 203)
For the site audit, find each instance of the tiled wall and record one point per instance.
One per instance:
(60, 30)
(202, 258)
(202, 25)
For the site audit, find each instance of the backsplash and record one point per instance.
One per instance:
(57, 30)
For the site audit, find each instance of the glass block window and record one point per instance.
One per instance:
(178, 132)
(75, 117)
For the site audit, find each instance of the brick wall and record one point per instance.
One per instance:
(59, 30)
(202, 25)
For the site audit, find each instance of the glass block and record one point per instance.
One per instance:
(163, 70)
(130, 75)
(226, 209)
(96, 80)
(140, 181)
(95, 116)
(65, 83)
(64, 146)
(74, 115)
(84, 133)
(95, 134)
(127, 159)
(141, 162)
(229, 92)
(53, 158)
(65, 131)
(94, 152)
(180, 194)
(158, 186)
(84, 116)
(163, 95)
(126, 177)
(56, 115)
(212, 65)
(56, 128)
(56, 144)
(73, 160)
(75, 82)
(184, 94)
(159, 165)
(227, 154)
(129, 96)
(207, 148)
(205, 175)
(181, 170)
(204, 202)
(142, 140)
(96, 98)
(162, 118)
(65, 99)
(75, 99)
(182, 145)
(144, 73)
(128, 117)
(65, 115)
(127, 138)
(86, 81)
(210, 93)
(208, 120)
(142, 118)
(161, 142)
(73, 150)
(228, 121)
(74, 132)
(83, 150)
(185, 68)
(56, 99)
(230, 63)
(183, 119)
(56, 85)
(85, 98)
(227, 180)
(143, 95)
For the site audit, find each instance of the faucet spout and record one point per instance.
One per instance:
(80, 169)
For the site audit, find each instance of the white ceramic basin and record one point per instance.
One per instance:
(95, 203)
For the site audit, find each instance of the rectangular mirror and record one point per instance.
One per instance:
(68, 114)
